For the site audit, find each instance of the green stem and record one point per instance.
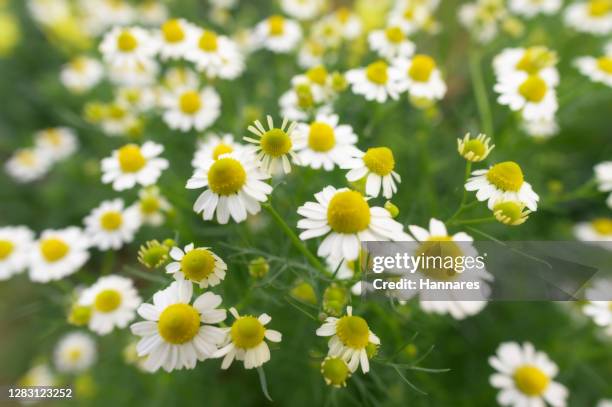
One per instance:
(480, 92)
(297, 243)
(462, 205)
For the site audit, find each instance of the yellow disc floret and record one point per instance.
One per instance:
(335, 371)
(394, 34)
(53, 249)
(506, 176)
(126, 42)
(173, 31)
(111, 220)
(605, 64)
(221, 149)
(107, 300)
(510, 212)
(379, 160)
(531, 380)
(318, 75)
(149, 205)
(353, 331)
(376, 72)
(276, 142)
(348, 212)
(321, 137)
(208, 41)
(6, 248)
(178, 323)
(533, 88)
(226, 176)
(130, 158)
(276, 25)
(198, 264)
(599, 8)
(247, 332)
(421, 68)
(603, 226)
(190, 102)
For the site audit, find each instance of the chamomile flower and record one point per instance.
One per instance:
(324, 143)
(235, 186)
(525, 377)
(592, 16)
(126, 47)
(391, 43)
(198, 265)
(81, 74)
(132, 164)
(151, 12)
(175, 38)
(474, 149)
(504, 180)
(345, 218)
(302, 9)
(15, 245)
(117, 119)
(510, 212)
(599, 306)
(311, 53)
(39, 375)
(111, 225)
(152, 206)
(482, 18)
(536, 60)
(531, 94)
(410, 16)
(180, 77)
(245, 341)
(172, 335)
(28, 164)
(597, 231)
(530, 8)
(335, 371)
(596, 69)
(350, 335)
(603, 176)
(278, 34)
(542, 128)
(212, 147)
(274, 146)
(420, 77)
(377, 166)
(216, 55)
(75, 353)
(349, 23)
(113, 301)
(191, 108)
(137, 98)
(377, 81)
(58, 253)
(57, 142)
(144, 73)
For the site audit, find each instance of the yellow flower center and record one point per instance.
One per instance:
(506, 176)
(353, 331)
(531, 380)
(173, 31)
(321, 137)
(335, 370)
(474, 146)
(53, 136)
(318, 75)
(226, 176)
(126, 42)
(78, 64)
(208, 41)
(394, 35)
(603, 226)
(439, 253)
(26, 158)
(276, 142)
(533, 88)
(6, 248)
(107, 300)
(190, 102)
(377, 72)
(343, 14)
(421, 68)
(511, 212)
(74, 354)
(605, 64)
(536, 58)
(178, 323)
(198, 264)
(149, 204)
(599, 8)
(116, 112)
(111, 220)
(247, 332)
(276, 25)
(53, 249)
(130, 158)
(379, 160)
(221, 149)
(348, 212)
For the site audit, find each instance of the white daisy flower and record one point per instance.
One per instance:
(593, 16)
(126, 47)
(144, 73)
(391, 43)
(596, 69)
(28, 164)
(447, 303)
(410, 16)
(533, 60)
(132, 164)
(108, 13)
(15, 246)
(245, 341)
(111, 225)
(324, 143)
(212, 147)
(175, 38)
(151, 12)
(597, 231)
(181, 77)
(376, 165)
(198, 265)
(349, 23)
(532, 95)
(57, 142)
(311, 53)
(599, 308)
(420, 77)
(113, 301)
(58, 253)
(234, 187)
(278, 34)
(378, 81)
(541, 128)
(328, 31)
(603, 176)
(137, 98)
(81, 74)
(152, 206)
(474, 149)
(75, 353)
(172, 335)
(345, 219)
(117, 119)
(191, 108)
(482, 18)
(525, 377)
(39, 375)
(344, 270)
(216, 55)
(502, 181)
(302, 9)
(350, 335)
(530, 8)
(275, 145)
